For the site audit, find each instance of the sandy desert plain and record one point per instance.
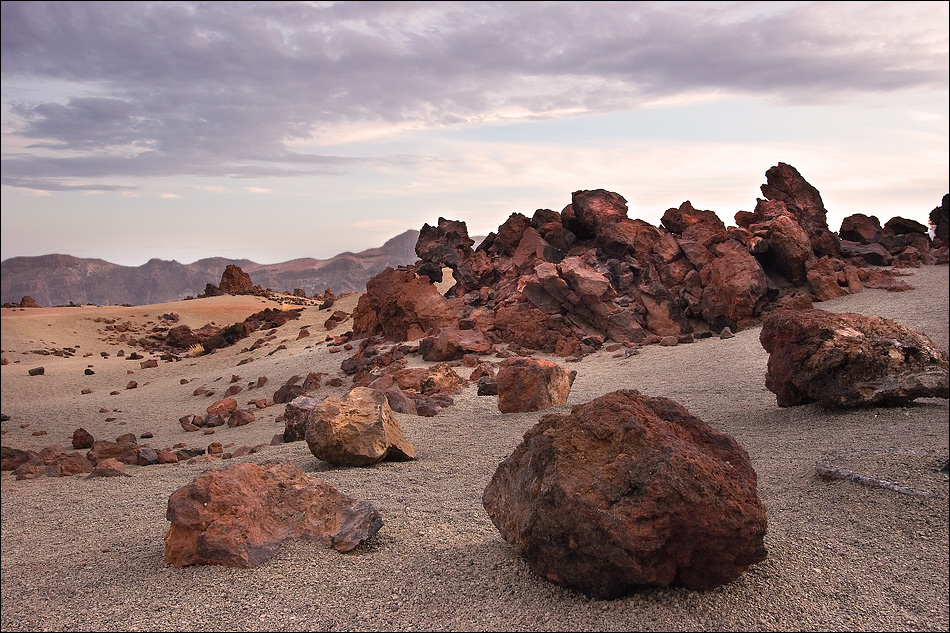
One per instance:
(86, 554)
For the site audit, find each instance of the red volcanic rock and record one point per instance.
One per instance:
(860, 228)
(530, 384)
(733, 286)
(82, 438)
(235, 281)
(296, 414)
(356, 430)
(239, 516)
(181, 337)
(824, 280)
(286, 393)
(629, 491)
(222, 407)
(595, 209)
(448, 245)
(12, 458)
(240, 417)
(873, 254)
(884, 280)
(784, 246)
(124, 449)
(686, 219)
(440, 378)
(451, 343)
(233, 390)
(849, 360)
(802, 200)
(900, 226)
(401, 306)
(110, 467)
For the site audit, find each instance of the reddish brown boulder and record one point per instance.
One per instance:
(451, 343)
(784, 246)
(873, 254)
(849, 360)
(235, 281)
(12, 458)
(240, 417)
(124, 449)
(110, 467)
(239, 516)
(222, 407)
(860, 228)
(296, 414)
(629, 491)
(530, 384)
(824, 280)
(698, 223)
(356, 430)
(286, 393)
(440, 378)
(181, 337)
(82, 438)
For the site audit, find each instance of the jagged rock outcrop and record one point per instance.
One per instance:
(849, 360)
(629, 491)
(566, 283)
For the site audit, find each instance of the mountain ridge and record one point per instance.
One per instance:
(61, 279)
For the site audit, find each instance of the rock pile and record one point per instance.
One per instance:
(566, 283)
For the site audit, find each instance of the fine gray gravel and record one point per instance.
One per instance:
(87, 554)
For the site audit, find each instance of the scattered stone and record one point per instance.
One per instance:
(110, 467)
(82, 439)
(239, 516)
(36, 371)
(529, 384)
(222, 407)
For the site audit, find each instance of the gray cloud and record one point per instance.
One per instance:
(223, 88)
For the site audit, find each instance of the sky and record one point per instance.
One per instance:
(277, 130)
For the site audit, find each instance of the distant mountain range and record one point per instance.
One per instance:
(53, 280)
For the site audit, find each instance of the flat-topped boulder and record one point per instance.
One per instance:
(845, 360)
(239, 516)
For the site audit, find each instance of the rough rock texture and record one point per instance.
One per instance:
(626, 491)
(566, 283)
(239, 516)
(296, 415)
(356, 430)
(849, 360)
(531, 384)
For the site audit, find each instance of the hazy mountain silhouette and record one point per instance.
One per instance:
(62, 279)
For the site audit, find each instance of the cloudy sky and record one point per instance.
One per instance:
(277, 130)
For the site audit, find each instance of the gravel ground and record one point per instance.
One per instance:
(87, 554)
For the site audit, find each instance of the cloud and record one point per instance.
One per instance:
(236, 89)
(259, 190)
(170, 196)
